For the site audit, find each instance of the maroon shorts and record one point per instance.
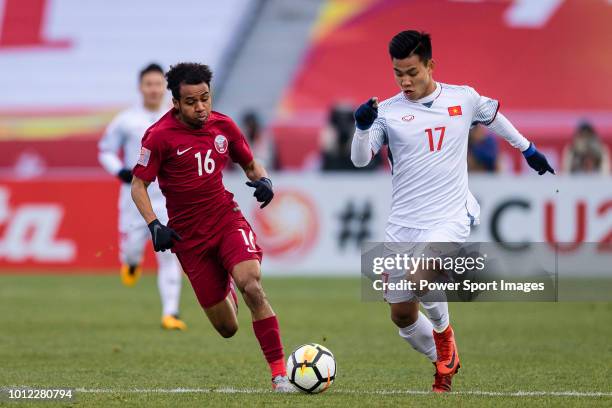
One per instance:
(208, 266)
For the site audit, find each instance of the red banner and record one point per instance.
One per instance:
(59, 225)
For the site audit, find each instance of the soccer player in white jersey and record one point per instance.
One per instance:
(124, 134)
(426, 129)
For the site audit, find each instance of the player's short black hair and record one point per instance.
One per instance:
(410, 42)
(152, 67)
(189, 73)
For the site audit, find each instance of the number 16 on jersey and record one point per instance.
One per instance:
(209, 163)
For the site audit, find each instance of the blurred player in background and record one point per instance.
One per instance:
(261, 142)
(124, 135)
(426, 129)
(187, 150)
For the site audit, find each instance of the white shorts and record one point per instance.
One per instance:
(418, 242)
(133, 231)
(132, 243)
(129, 216)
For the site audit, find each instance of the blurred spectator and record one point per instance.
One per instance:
(586, 153)
(261, 143)
(483, 151)
(336, 139)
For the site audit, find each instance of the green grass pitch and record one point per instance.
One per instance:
(89, 332)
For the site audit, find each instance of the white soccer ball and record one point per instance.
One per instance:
(311, 368)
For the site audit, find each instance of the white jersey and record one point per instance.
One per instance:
(428, 141)
(124, 134)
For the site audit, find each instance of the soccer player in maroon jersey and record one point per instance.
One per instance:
(186, 150)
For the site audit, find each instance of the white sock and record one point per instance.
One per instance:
(438, 314)
(168, 282)
(420, 336)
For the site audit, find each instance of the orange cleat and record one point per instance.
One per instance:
(442, 383)
(170, 322)
(130, 274)
(448, 356)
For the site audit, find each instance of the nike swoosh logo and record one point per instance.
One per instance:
(184, 151)
(452, 362)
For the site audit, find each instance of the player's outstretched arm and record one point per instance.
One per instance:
(536, 160)
(162, 236)
(260, 181)
(361, 150)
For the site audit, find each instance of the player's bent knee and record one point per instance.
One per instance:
(404, 315)
(402, 321)
(223, 318)
(227, 330)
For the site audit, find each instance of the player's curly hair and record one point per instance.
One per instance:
(411, 42)
(189, 73)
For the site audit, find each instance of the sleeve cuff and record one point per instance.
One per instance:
(143, 177)
(530, 150)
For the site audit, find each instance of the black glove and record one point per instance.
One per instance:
(162, 236)
(125, 175)
(366, 114)
(537, 160)
(263, 190)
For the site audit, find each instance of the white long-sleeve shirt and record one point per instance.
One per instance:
(123, 136)
(427, 142)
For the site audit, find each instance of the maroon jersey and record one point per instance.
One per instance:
(188, 164)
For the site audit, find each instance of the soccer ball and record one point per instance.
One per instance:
(311, 368)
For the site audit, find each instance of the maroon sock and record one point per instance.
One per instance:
(268, 335)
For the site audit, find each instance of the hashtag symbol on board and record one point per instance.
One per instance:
(354, 224)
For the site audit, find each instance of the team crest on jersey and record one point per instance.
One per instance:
(221, 144)
(407, 118)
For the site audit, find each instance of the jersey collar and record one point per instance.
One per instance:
(427, 100)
